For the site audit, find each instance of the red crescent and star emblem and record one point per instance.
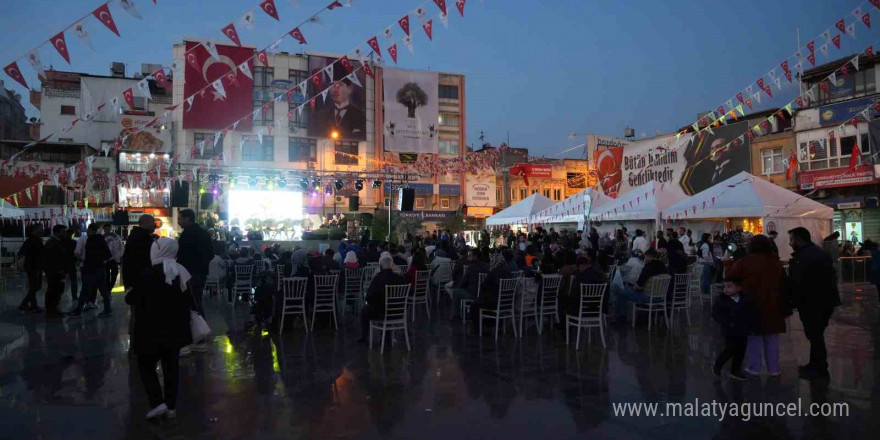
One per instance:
(268, 7)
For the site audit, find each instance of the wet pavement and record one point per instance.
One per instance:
(75, 380)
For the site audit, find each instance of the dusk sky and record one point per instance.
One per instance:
(538, 69)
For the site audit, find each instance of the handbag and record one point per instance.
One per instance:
(198, 326)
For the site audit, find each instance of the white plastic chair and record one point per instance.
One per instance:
(212, 285)
(696, 271)
(516, 274)
(503, 307)
(367, 279)
(528, 302)
(466, 303)
(442, 275)
(402, 269)
(325, 297)
(656, 291)
(680, 296)
(353, 288)
(420, 293)
(244, 281)
(549, 304)
(395, 314)
(294, 299)
(589, 313)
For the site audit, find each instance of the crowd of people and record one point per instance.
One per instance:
(165, 280)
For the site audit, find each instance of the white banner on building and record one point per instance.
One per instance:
(480, 190)
(411, 111)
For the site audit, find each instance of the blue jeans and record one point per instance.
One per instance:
(706, 278)
(629, 294)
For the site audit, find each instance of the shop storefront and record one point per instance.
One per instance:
(853, 195)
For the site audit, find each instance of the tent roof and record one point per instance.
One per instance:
(571, 210)
(645, 202)
(11, 212)
(745, 195)
(520, 212)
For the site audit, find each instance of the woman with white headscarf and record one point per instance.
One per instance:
(161, 327)
(351, 260)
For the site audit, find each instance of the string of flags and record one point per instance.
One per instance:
(315, 78)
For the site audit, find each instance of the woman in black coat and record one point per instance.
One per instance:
(161, 326)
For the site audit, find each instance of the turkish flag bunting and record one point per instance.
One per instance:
(268, 6)
(749, 102)
(13, 71)
(161, 79)
(128, 95)
(346, 63)
(61, 45)
(836, 40)
(800, 101)
(297, 34)
(784, 65)
(750, 134)
(812, 46)
(867, 19)
(720, 110)
(760, 83)
(844, 70)
(876, 3)
(812, 58)
(739, 97)
(792, 164)
(334, 5)
(316, 80)
(392, 50)
(102, 13)
(768, 91)
(442, 5)
(261, 55)
(370, 73)
(788, 75)
(877, 106)
(841, 25)
(427, 27)
(460, 5)
(404, 24)
(856, 155)
(374, 44)
(823, 86)
(229, 31)
(210, 109)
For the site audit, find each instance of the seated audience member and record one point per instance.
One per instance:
(467, 286)
(636, 293)
(374, 303)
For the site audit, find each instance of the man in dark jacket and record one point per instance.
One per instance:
(136, 257)
(653, 267)
(97, 253)
(195, 254)
(374, 307)
(69, 245)
(812, 289)
(55, 264)
(32, 251)
(469, 284)
(737, 316)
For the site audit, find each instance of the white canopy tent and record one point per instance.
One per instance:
(571, 210)
(10, 212)
(640, 208)
(748, 196)
(521, 213)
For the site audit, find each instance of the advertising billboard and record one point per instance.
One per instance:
(480, 190)
(344, 108)
(411, 111)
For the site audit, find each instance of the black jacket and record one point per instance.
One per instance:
(650, 269)
(196, 250)
(812, 281)
(376, 292)
(55, 261)
(69, 245)
(736, 318)
(161, 313)
(97, 252)
(32, 251)
(489, 292)
(471, 278)
(136, 258)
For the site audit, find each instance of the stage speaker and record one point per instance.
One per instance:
(354, 203)
(180, 194)
(206, 200)
(406, 197)
(120, 218)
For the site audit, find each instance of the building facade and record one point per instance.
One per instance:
(517, 178)
(824, 150)
(13, 123)
(770, 154)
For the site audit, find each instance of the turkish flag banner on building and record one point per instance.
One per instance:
(210, 110)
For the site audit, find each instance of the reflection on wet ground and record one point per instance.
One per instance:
(72, 380)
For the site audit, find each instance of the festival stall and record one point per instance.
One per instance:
(521, 214)
(756, 204)
(569, 213)
(640, 208)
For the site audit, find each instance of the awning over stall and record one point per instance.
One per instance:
(522, 212)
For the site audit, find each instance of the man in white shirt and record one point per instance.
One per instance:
(640, 243)
(686, 240)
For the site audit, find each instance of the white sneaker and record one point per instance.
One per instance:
(185, 351)
(157, 411)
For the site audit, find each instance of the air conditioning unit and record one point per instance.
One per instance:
(311, 165)
(340, 200)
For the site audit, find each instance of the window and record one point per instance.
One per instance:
(420, 203)
(557, 194)
(349, 150)
(772, 161)
(302, 150)
(66, 140)
(448, 147)
(523, 193)
(210, 150)
(444, 203)
(546, 192)
(297, 119)
(297, 76)
(387, 201)
(254, 150)
(853, 85)
(822, 153)
(68, 110)
(448, 120)
(263, 77)
(52, 195)
(535, 191)
(448, 92)
(576, 180)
